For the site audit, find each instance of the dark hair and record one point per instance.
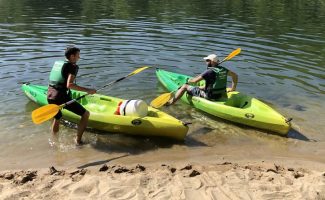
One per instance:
(71, 51)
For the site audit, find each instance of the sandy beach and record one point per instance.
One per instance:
(214, 180)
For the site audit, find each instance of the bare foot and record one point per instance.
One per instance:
(169, 103)
(78, 143)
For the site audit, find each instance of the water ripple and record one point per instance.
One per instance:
(279, 56)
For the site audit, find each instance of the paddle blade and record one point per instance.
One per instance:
(137, 71)
(233, 54)
(45, 113)
(161, 100)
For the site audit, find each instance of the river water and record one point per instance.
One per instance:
(282, 63)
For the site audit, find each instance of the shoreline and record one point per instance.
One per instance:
(222, 179)
(92, 155)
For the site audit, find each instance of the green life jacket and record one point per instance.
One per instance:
(220, 84)
(56, 78)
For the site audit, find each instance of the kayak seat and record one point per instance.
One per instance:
(231, 102)
(236, 101)
(75, 95)
(245, 104)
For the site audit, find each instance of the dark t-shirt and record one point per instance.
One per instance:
(209, 76)
(69, 68)
(62, 93)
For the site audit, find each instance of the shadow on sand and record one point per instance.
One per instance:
(100, 162)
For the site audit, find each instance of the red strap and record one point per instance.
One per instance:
(117, 112)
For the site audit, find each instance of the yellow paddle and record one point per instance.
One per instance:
(161, 100)
(47, 112)
(231, 55)
(164, 98)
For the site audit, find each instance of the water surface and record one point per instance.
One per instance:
(282, 63)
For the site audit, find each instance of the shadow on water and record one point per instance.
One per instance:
(133, 145)
(30, 106)
(293, 134)
(113, 142)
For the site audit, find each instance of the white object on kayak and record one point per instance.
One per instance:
(135, 108)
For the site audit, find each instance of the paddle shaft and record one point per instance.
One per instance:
(74, 100)
(222, 61)
(230, 56)
(111, 83)
(131, 74)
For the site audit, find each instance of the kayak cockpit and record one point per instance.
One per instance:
(237, 100)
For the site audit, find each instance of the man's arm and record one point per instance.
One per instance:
(195, 80)
(234, 77)
(72, 85)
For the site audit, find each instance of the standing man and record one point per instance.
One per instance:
(62, 79)
(215, 82)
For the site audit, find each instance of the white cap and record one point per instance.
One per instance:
(212, 57)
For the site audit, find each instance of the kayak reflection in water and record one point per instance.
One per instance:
(215, 82)
(62, 79)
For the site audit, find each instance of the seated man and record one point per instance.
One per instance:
(215, 82)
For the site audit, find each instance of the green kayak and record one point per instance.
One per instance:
(103, 117)
(234, 106)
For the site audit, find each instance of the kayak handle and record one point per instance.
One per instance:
(287, 120)
(186, 123)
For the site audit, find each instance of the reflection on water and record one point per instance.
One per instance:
(282, 63)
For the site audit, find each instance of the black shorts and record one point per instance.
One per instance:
(75, 107)
(196, 91)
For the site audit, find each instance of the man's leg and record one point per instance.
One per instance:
(82, 126)
(78, 109)
(178, 94)
(55, 126)
(56, 121)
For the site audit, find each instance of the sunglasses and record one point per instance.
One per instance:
(207, 60)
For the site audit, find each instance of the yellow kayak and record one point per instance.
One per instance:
(235, 106)
(102, 117)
